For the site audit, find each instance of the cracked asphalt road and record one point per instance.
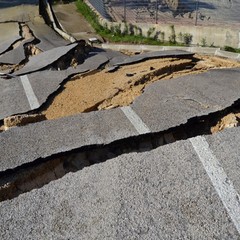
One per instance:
(149, 170)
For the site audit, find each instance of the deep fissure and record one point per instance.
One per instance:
(42, 171)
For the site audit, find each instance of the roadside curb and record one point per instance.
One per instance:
(49, 16)
(203, 50)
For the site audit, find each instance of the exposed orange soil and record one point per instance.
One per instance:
(104, 90)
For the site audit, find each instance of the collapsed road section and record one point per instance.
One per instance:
(164, 192)
(186, 98)
(167, 175)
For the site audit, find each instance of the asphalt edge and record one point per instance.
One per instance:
(46, 11)
(202, 50)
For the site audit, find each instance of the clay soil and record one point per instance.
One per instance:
(104, 90)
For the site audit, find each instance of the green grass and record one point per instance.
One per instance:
(111, 36)
(231, 49)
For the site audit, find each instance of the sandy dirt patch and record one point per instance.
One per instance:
(104, 90)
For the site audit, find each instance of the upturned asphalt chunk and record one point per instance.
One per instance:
(12, 98)
(9, 32)
(16, 55)
(169, 103)
(44, 59)
(49, 39)
(161, 194)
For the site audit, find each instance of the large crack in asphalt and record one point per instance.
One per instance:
(42, 171)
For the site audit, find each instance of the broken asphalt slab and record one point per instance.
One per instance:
(125, 60)
(43, 139)
(16, 55)
(48, 38)
(163, 105)
(153, 195)
(20, 13)
(9, 31)
(45, 59)
(169, 103)
(5, 45)
(14, 99)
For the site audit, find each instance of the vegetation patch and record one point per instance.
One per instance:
(117, 33)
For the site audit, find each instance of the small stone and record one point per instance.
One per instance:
(130, 74)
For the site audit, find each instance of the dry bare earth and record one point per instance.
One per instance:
(104, 90)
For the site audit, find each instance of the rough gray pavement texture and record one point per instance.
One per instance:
(92, 62)
(167, 104)
(9, 31)
(153, 195)
(48, 38)
(13, 99)
(16, 55)
(5, 45)
(19, 13)
(149, 55)
(44, 59)
(225, 147)
(43, 139)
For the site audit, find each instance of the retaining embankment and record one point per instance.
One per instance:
(212, 35)
(46, 11)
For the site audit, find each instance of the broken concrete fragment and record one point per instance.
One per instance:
(45, 59)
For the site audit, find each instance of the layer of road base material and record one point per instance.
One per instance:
(44, 59)
(104, 90)
(154, 195)
(44, 83)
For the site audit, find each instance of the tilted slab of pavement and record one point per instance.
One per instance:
(16, 55)
(19, 12)
(49, 39)
(172, 192)
(169, 103)
(40, 140)
(163, 105)
(29, 92)
(16, 93)
(44, 59)
(9, 33)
